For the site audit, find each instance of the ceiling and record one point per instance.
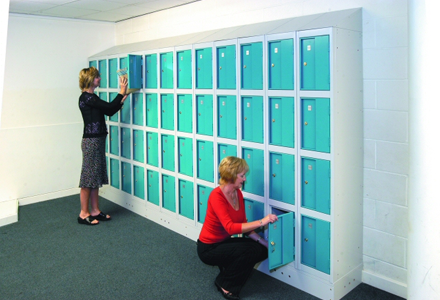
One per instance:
(96, 10)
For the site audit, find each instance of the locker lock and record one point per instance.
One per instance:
(273, 65)
(274, 174)
(273, 120)
(245, 118)
(306, 239)
(305, 64)
(198, 69)
(244, 66)
(305, 123)
(201, 203)
(306, 182)
(273, 246)
(180, 112)
(221, 116)
(220, 68)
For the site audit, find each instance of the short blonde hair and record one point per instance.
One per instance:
(86, 77)
(229, 167)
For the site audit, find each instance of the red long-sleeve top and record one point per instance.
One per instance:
(222, 220)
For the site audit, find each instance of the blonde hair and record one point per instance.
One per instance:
(229, 167)
(86, 77)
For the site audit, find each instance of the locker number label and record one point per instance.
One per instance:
(223, 54)
(276, 106)
(223, 103)
(201, 56)
(277, 161)
(248, 104)
(309, 108)
(276, 50)
(310, 167)
(309, 47)
(247, 52)
(249, 156)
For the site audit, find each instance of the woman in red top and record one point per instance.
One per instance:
(225, 216)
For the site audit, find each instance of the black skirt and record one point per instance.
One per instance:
(94, 166)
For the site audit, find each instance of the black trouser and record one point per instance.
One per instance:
(235, 257)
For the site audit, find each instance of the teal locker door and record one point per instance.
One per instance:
(254, 210)
(204, 114)
(112, 75)
(138, 145)
(281, 65)
(139, 182)
(114, 173)
(186, 199)
(227, 117)
(167, 152)
(103, 72)
(315, 244)
(103, 96)
(281, 243)
(315, 127)
(152, 112)
(167, 111)
(126, 177)
(115, 117)
(134, 71)
(204, 68)
(282, 121)
(125, 112)
(153, 187)
(315, 184)
(225, 150)
(123, 63)
(205, 161)
(252, 66)
(125, 142)
(93, 63)
(166, 70)
(252, 119)
(152, 149)
(315, 63)
(255, 177)
(138, 108)
(185, 156)
(184, 70)
(203, 193)
(168, 193)
(282, 177)
(226, 68)
(151, 71)
(184, 116)
(114, 140)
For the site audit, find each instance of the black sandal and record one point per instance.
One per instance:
(87, 220)
(228, 295)
(101, 217)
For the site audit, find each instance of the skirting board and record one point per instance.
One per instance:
(386, 284)
(8, 212)
(49, 196)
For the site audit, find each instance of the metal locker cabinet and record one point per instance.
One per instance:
(138, 145)
(125, 112)
(315, 184)
(252, 66)
(166, 70)
(315, 126)
(115, 117)
(252, 119)
(184, 71)
(186, 198)
(114, 173)
(315, 244)
(167, 142)
(226, 73)
(152, 149)
(168, 192)
(152, 112)
(282, 177)
(112, 75)
(227, 116)
(205, 161)
(125, 142)
(280, 68)
(93, 63)
(315, 63)
(204, 114)
(185, 156)
(281, 240)
(114, 140)
(134, 71)
(103, 72)
(151, 71)
(254, 210)
(138, 108)
(204, 68)
(282, 121)
(103, 96)
(167, 111)
(153, 187)
(139, 182)
(203, 193)
(255, 177)
(184, 116)
(225, 150)
(126, 177)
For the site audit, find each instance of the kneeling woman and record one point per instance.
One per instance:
(226, 216)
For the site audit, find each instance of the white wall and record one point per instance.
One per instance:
(41, 126)
(385, 49)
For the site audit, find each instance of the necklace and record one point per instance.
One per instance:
(231, 197)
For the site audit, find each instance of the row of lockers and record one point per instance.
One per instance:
(163, 70)
(315, 241)
(315, 117)
(159, 150)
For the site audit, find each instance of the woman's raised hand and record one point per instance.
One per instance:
(123, 83)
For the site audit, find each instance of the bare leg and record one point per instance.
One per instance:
(84, 198)
(94, 199)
